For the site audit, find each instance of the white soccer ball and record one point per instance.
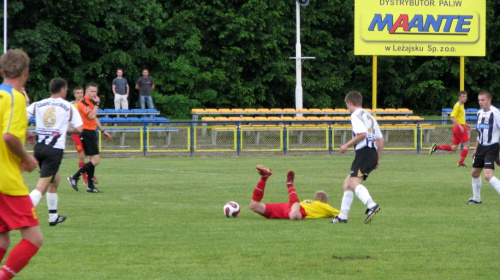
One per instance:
(231, 209)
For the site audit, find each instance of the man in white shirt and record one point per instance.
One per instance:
(368, 143)
(487, 147)
(53, 117)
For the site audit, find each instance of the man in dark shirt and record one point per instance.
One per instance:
(145, 84)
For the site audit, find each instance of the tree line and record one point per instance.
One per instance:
(229, 54)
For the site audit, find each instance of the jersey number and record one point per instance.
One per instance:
(49, 119)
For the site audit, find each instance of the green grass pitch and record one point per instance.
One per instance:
(162, 218)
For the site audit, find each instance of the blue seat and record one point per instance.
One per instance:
(162, 119)
(133, 119)
(120, 120)
(123, 111)
(152, 111)
(147, 119)
(106, 120)
(471, 118)
(446, 110)
(138, 111)
(471, 110)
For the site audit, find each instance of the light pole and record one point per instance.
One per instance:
(4, 26)
(298, 58)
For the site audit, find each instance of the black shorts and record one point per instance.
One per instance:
(486, 156)
(89, 142)
(49, 160)
(365, 161)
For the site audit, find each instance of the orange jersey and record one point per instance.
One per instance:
(85, 106)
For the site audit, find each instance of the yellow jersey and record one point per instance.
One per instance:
(458, 113)
(13, 121)
(316, 209)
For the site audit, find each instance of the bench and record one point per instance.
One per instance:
(470, 114)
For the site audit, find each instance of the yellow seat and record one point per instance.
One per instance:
(405, 110)
(224, 110)
(402, 118)
(261, 118)
(197, 110)
(377, 110)
(338, 118)
(391, 110)
(341, 110)
(248, 119)
(415, 118)
(287, 118)
(237, 110)
(276, 110)
(327, 110)
(315, 110)
(220, 119)
(299, 118)
(263, 110)
(234, 119)
(250, 110)
(293, 110)
(312, 118)
(327, 118)
(389, 118)
(211, 111)
(208, 119)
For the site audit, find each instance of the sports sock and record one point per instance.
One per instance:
(90, 176)
(85, 168)
(476, 188)
(52, 200)
(345, 207)
(18, 259)
(443, 147)
(363, 195)
(292, 195)
(2, 253)
(258, 192)
(463, 156)
(35, 196)
(495, 183)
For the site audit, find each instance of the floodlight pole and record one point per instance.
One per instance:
(298, 63)
(4, 26)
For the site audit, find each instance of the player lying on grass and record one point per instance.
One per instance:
(293, 210)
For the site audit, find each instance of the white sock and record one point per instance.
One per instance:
(495, 183)
(35, 196)
(363, 195)
(476, 188)
(52, 201)
(345, 207)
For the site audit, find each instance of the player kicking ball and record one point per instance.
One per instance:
(292, 210)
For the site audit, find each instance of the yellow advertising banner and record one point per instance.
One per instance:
(420, 27)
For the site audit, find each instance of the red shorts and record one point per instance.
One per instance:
(280, 211)
(16, 212)
(458, 136)
(78, 142)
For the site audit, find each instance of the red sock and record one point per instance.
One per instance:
(443, 147)
(292, 195)
(463, 156)
(2, 253)
(18, 258)
(258, 192)
(81, 164)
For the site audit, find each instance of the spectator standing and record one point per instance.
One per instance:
(145, 85)
(120, 90)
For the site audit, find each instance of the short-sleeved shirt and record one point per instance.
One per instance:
(364, 122)
(120, 85)
(145, 85)
(458, 113)
(85, 106)
(316, 209)
(53, 115)
(488, 126)
(13, 121)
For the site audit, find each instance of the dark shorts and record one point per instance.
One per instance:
(16, 212)
(365, 161)
(280, 211)
(486, 156)
(89, 142)
(49, 160)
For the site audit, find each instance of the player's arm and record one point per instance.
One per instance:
(455, 122)
(114, 89)
(355, 140)
(380, 147)
(28, 163)
(102, 130)
(128, 89)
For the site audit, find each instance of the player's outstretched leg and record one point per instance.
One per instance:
(263, 171)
